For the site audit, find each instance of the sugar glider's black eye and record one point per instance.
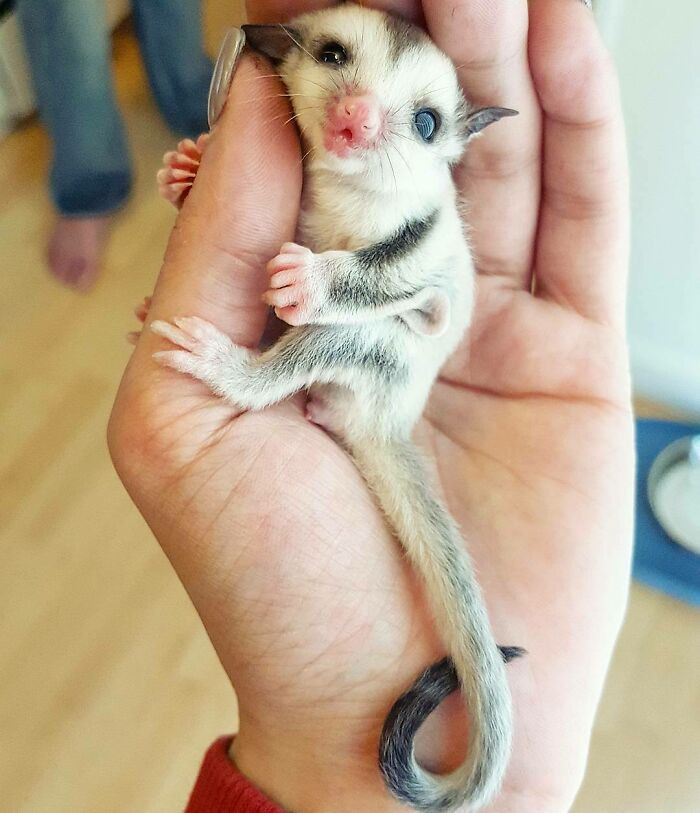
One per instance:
(333, 53)
(427, 123)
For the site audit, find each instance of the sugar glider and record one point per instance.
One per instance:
(378, 293)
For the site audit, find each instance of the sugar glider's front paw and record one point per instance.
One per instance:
(297, 288)
(180, 167)
(205, 352)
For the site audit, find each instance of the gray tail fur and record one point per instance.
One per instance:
(396, 473)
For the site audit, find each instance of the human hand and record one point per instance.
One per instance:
(315, 616)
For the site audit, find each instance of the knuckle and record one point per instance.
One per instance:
(486, 161)
(573, 73)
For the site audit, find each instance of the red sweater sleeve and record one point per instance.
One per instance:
(221, 788)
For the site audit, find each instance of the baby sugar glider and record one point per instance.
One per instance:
(378, 295)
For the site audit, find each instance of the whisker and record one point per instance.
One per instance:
(316, 84)
(381, 168)
(304, 109)
(399, 135)
(408, 168)
(399, 109)
(393, 172)
(444, 73)
(298, 44)
(291, 119)
(284, 96)
(334, 80)
(303, 96)
(282, 115)
(306, 154)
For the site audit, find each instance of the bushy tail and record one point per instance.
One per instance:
(396, 473)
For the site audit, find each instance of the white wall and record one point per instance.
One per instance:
(656, 45)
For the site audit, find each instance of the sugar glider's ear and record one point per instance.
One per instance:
(428, 313)
(274, 41)
(480, 119)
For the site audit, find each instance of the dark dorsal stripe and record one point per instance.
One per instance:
(402, 36)
(398, 245)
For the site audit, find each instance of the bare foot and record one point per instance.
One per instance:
(180, 167)
(75, 250)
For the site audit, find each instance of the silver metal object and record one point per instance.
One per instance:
(229, 54)
(677, 511)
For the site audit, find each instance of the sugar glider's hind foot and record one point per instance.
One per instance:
(204, 351)
(179, 170)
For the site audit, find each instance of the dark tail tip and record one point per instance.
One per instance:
(407, 715)
(402, 723)
(510, 653)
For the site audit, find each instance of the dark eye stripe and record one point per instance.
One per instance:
(427, 123)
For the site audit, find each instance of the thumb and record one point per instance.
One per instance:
(244, 204)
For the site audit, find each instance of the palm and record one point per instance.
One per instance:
(304, 593)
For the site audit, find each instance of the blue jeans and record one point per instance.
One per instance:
(69, 53)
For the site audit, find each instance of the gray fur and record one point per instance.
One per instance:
(434, 545)
(402, 35)
(398, 245)
(362, 280)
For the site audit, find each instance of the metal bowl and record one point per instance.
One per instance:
(673, 454)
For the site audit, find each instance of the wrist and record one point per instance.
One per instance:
(311, 777)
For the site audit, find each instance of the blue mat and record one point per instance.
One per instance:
(658, 561)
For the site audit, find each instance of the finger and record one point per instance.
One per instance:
(189, 148)
(283, 262)
(581, 259)
(293, 248)
(281, 279)
(500, 176)
(174, 193)
(291, 315)
(141, 310)
(270, 11)
(173, 334)
(178, 160)
(243, 205)
(281, 298)
(170, 175)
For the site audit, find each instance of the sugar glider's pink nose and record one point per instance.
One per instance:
(352, 122)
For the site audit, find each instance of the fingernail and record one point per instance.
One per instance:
(229, 54)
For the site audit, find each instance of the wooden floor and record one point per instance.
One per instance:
(110, 690)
